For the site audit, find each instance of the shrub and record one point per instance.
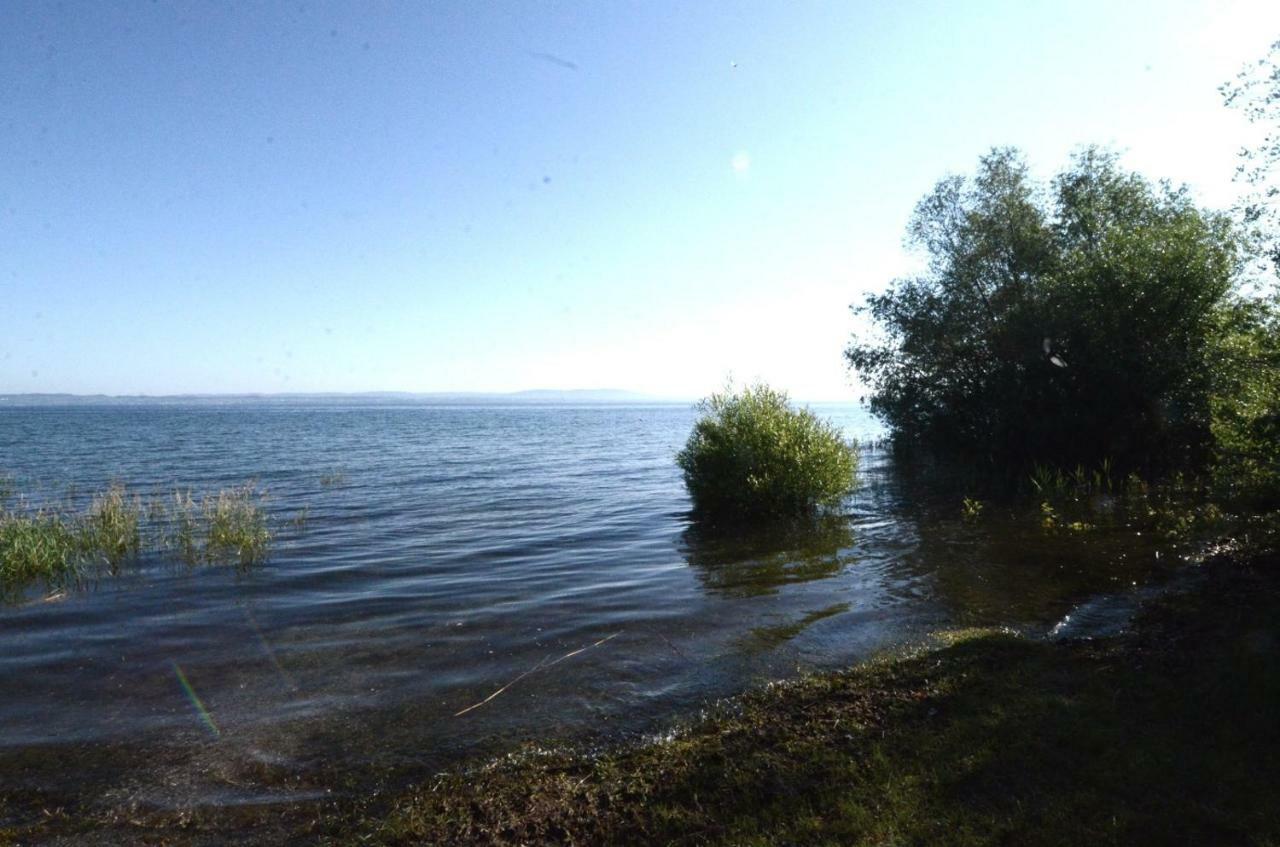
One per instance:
(1061, 323)
(753, 455)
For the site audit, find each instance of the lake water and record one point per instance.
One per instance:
(451, 551)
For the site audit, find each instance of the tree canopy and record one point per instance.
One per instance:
(1065, 322)
(1256, 93)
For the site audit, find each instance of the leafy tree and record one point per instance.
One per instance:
(1246, 408)
(1256, 92)
(1247, 413)
(1064, 323)
(752, 455)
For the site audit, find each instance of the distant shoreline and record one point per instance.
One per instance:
(369, 397)
(378, 398)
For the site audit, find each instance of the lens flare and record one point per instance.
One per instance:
(205, 717)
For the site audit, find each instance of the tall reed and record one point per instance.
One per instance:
(59, 545)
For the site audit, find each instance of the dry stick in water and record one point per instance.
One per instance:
(540, 666)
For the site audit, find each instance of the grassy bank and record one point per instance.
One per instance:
(1165, 735)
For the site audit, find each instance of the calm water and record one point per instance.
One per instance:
(448, 552)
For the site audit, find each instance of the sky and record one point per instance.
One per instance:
(472, 196)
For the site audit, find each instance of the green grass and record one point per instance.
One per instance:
(181, 522)
(333, 479)
(236, 526)
(110, 529)
(37, 547)
(60, 546)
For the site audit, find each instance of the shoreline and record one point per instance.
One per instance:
(989, 738)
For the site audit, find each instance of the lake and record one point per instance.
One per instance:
(453, 553)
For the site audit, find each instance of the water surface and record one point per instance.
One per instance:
(451, 551)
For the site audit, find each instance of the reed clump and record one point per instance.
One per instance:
(59, 545)
(236, 522)
(110, 529)
(40, 546)
(182, 525)
(333, 479)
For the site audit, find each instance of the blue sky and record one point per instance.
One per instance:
(231, 197)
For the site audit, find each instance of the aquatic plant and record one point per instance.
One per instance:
(236, 526)
(971, 509)
(37, 547)
(1054, 482)
(110, 529)
(753, 455)
(300, 518)
(183, 524)
(59, 546)
(333, 479)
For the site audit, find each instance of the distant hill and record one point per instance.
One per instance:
(580, 395)
(572, 395)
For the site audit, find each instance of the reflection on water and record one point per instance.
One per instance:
(752, 560)
(769, 637)
(447, 552)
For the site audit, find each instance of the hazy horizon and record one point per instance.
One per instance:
(532, 395)
(464, 197)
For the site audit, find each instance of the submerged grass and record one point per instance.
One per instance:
(236, 526)
(37, 547)
(59, 546)
(111, 527)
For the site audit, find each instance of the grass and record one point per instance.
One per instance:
(59, 546)
(236, 526)
(110, 528)
(333, 479)
(36, 547)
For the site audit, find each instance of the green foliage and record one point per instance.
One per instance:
(1062, 323)
(36, 547)
(971, 509)
(183, 525)
(1255, 92)
(58, 546)
(753, 455)
(1246, 410)
(236, 526)
(110, 528)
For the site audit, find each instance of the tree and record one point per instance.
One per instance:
(1065, 323)
(1247, 416)
(1256, 92)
